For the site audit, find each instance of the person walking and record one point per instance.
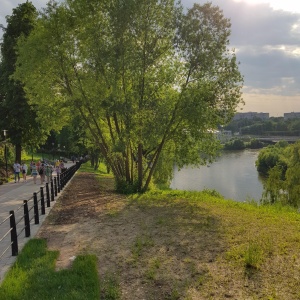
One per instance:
(49, 170)
(24, 171)
(31, 163)
(17, 169)
(42, 172)
(34, 172)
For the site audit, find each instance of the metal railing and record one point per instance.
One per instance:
(28, 214)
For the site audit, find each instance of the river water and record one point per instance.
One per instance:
(233, 175)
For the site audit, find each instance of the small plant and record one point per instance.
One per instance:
(253, 256)
(151, 272)
(110, 289)
(212, 192)
(139, 244)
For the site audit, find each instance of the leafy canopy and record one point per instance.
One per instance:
(148, 79)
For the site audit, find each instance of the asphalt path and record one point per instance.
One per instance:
(12, 196)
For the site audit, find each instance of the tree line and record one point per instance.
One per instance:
(275, 126)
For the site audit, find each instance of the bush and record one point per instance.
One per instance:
(123, 187)
(236, 144)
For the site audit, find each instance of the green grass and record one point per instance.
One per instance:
(86, 167)
(33, 276)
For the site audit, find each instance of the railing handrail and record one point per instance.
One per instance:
(57, 184)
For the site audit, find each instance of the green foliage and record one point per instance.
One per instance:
(119, 67)
(255, 144)
(16, 114)
(274, 186)
(275, 126)
(283, 182)
(213, 193)
(236, 144)
(271, 156)
(126, 188)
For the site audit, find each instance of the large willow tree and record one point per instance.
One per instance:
(147, 79)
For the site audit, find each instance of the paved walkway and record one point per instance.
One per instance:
(11, 198)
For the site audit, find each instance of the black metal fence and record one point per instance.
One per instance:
(29, 212)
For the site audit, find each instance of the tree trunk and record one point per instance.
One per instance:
(140, 167)
(18, 153)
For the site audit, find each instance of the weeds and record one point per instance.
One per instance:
(109, 286)
(153, 268)
(253, 255)
(140, 244)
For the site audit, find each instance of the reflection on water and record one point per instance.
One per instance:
(234, 175)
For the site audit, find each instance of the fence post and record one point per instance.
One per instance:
(36, 209)
(13, 234)
(42, 201)
(63, 179)
(47, 194)
(26, 219)
(58, 183)
(55, 186)
(52, 190)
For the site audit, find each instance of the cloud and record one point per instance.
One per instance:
(267, 44)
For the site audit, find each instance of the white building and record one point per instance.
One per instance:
(291, 115)
(224, 135)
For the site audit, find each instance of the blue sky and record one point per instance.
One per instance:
(266, 37)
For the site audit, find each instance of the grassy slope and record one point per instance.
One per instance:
(248, 252)
(198, 245)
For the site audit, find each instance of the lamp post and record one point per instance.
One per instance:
(58, 150)
(65, 155)
(5, 152)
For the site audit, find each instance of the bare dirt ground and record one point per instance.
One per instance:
(152, 249)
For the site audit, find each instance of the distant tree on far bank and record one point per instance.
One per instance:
(275, 126)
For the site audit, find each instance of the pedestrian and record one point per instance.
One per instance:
(49, 170)
(31, 163)
(38, 165)
(58, 169)
(42, 172)
(34, 171)
(17, 169)
(24, 171)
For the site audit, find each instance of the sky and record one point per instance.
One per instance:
(266, 37)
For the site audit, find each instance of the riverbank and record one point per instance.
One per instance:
(176, 245)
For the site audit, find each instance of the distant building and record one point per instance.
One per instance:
(251, 115)
(223, 136)
(291, 115)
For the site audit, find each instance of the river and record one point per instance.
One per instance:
(233, 175)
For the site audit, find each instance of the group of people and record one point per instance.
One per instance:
(20, 169)
(40, 168)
